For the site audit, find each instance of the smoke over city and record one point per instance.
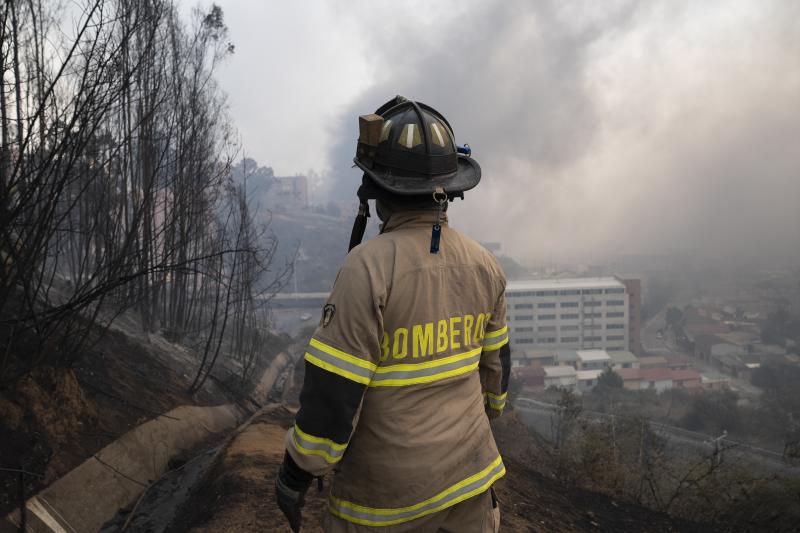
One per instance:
(603, 128)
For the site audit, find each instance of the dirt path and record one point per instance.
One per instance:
(238, 494)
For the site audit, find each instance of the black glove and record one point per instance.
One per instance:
(291, 485)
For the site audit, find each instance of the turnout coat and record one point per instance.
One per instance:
(408, 364)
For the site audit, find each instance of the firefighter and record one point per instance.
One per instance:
(410, 359)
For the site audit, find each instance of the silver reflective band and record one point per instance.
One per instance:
(495, 339)
(307, 444)
(407, 374)
(459, 492)
(338, 362)
(495, 401)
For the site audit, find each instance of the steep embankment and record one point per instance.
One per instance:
(238, 493)
(111, 424)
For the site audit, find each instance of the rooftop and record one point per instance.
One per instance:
(653, 360)
(536, 354)
(685, 375)
(564, 284)
(559, 371)
(523, 372)
(629, 374)
(622, 357)
(566, 355)
(593, 355)
(656, 374)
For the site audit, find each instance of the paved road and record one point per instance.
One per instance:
(540, 417)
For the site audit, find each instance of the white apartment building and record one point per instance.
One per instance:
(576, 314)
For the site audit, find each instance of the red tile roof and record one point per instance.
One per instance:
(629, 374)
(656, 374)
(685, 375)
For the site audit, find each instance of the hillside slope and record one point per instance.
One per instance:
(238, 493)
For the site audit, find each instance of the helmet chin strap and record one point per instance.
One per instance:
(360, 223)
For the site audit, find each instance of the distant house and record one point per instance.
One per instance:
(560, 376)
(567, 358)
(686, 379)
(593, 359)
(623, 359)
(533, 358)
(703, 345)
(529, 377)
(587, 379)
(659, 379)
(655, 361)
(710, 383)
(631, 378)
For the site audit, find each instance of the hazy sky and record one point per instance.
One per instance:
(611, 126)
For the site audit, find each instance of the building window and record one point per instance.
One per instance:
(571, 292)
(523, 317)
(546, 317)
(615, 302)
(593, 338)
(570, 304)
(547, 328)
(570, 339)
(573, 327)
(592, 304)
(523, 329)
(519, 294)
(548, 340)
(615, 314)
(523, 306)
(619, 290)
(615, 338)
(546, 305)
(570, 316)
(592, 315)
(524, 341)
(592, 291)
(615, 326)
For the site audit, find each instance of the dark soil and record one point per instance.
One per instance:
(54, 418)
(238, 494)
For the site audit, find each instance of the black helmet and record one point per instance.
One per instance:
(407, 148)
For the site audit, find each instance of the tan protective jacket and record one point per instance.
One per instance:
(409, 359)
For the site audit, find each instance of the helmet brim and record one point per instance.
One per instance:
(466, 177)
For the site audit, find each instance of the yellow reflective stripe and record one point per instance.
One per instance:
(320, 440)
(339, 354)
(497, 333)
(429, 364)
(336, 370)
(463, 490)
(307, 444)
(424, 379)
(490, 347)
(341, 363)
(495, 401)
(412, 374)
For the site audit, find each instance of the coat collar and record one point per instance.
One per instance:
(412, 218)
